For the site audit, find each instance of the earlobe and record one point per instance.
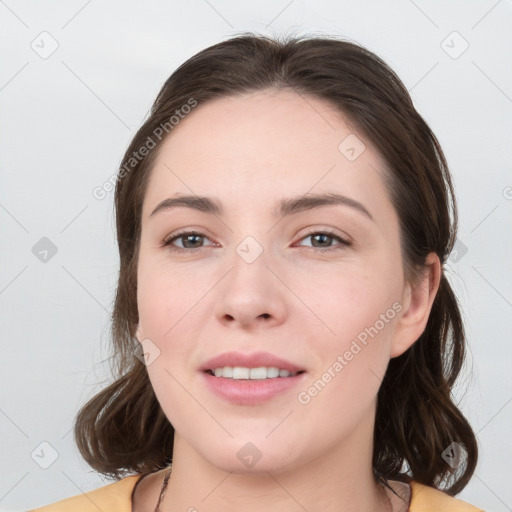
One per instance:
(417, 301)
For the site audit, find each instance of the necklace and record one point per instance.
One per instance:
(389, 506)
(163, 489)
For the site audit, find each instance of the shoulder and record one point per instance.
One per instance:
(115, 497)
(429, 499)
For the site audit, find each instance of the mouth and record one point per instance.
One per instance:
(240, 365)
(250, 379)
(246, 373)
(252, 386)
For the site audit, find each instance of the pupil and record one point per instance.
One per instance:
(188, 239)
(323, 238)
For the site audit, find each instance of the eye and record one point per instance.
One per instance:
(323, 240)
(190, 240)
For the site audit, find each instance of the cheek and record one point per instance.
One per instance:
(347, 304)
(168, 308)
(356, 313)
(167, 299)
(351, 349)
(173, 309)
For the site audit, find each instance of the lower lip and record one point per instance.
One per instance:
(248, 391)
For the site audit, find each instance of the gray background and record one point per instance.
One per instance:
(66, 121)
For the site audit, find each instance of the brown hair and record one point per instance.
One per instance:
(123, 429)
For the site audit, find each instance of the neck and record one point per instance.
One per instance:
(341, 479)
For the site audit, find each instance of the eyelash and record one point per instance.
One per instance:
(342, 242)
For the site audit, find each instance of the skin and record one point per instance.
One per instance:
(295, 300)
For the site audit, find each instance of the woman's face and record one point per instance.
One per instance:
(276, 268)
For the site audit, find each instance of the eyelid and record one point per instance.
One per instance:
(167, 242)
(343, 241)
(314, 229)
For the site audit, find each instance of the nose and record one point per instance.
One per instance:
(251, 296)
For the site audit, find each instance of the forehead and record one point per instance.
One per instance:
(281, 122)
(269, 143)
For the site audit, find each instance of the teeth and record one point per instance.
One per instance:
(239, 372)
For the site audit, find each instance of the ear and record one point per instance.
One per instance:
(138, 333)
(416, 306)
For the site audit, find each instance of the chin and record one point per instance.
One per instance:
(255, 456)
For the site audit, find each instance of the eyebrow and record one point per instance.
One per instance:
(284, 208)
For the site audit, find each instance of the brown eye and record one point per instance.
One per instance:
(324, 240)
(187, 240)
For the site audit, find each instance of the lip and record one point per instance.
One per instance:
(254, 360)
(250, 392)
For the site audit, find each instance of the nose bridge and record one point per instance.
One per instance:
(250, 250)
(249, 279)
(250, 292)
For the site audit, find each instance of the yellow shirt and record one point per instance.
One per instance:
(116, 497)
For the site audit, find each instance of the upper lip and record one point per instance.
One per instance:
(254, 360)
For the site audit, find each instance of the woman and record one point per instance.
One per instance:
(284, 330)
